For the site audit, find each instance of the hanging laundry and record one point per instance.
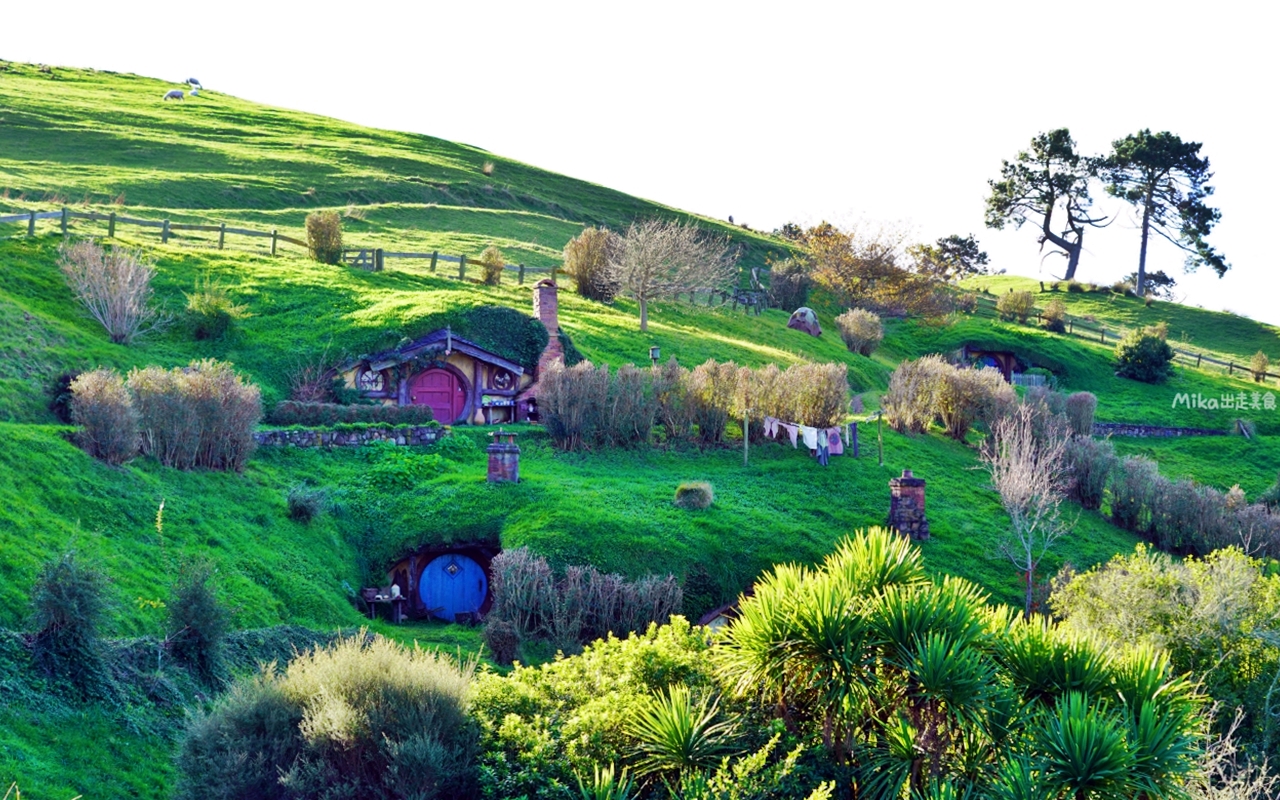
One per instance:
(810, 436)
(834, 442)
(771, 427)
(823, 450)
(791, 431)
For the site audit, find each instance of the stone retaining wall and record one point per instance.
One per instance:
(329, 437)
(1128, 429)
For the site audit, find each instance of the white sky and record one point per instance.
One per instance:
(770, 112)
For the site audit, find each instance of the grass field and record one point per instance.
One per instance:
(106, 141)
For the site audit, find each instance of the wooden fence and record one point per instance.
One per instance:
(1092, 331)
(371, 259)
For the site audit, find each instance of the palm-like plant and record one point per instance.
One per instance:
(1083, 751)
(606, 783)
(675, 733)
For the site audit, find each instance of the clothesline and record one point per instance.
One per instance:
(822, 441)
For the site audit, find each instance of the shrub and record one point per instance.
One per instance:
(290, 412)
(492, 262)
(911, 401)
(578, 606)
(694, 495)
(1016, 305)
(965, 396)
(712, 385)
(202, 415)
(105, 412)
(1080, 408)
(861, 330)
(967, 302)
(1055, 316)
(789, 284)
(457, 448)
(211, 312)
(306, 502)
(1271, 496)
(60, 397)
(364, 717)
(1258, 365)
(198, 623)
(1133, 482)
(587, 257)
(114, 286)
(324, 236)
(816, 394)
(1144, 356)
(68, 607)
(1090, 463)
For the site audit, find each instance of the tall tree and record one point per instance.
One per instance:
(1167, 180)
(1048, 178)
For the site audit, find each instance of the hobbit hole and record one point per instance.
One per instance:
(446, 582)
(459, 380)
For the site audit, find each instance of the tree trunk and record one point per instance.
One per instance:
(1141, 288)
(1073, 261)
(644, 314)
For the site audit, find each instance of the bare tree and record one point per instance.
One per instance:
(1027, 468)
(664, 258)
(114, 285)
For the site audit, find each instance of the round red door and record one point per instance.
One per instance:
(442, 391)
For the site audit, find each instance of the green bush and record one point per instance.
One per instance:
(198, 623)
(324, 236)
(1259, 365)
(314, 415)
(543, 727)
(364, 717)
(861, 330)
(108, 419)
(306, 502)
(462, 449)
(68, 608)
(211, 312)
(1144, 356)
(492, 262)
(694, 495)
(1017, 305)
(1055, 316)
(587, 259)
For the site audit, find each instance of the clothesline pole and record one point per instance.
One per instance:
(746, 437)
(880, 435)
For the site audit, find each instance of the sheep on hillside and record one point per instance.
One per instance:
(195, 83)
(174, 94)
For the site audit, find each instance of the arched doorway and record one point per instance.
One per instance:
(442, 390)
(452, 584)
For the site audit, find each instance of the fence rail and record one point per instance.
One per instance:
(1084, 330)
(367, 258)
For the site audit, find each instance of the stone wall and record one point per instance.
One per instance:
(1129, 429)
(330, 437)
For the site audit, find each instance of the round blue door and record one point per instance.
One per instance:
(452, 584)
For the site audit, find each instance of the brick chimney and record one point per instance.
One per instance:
(906, 506)
(545, 308)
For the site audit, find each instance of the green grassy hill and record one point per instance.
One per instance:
(107, 141)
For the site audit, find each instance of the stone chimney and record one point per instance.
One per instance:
(906, 506)
(504, 458)
(546, 308)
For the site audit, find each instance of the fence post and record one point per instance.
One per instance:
(31, 225)
(1198, 360)
(1071, 326)
(434, 255)
(164, 233)
(274, 234)
(462, 268)
(65, 213)
(1231, 368)
(377, 259)
(521, 277)
(111, 226)
(1104, 335)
